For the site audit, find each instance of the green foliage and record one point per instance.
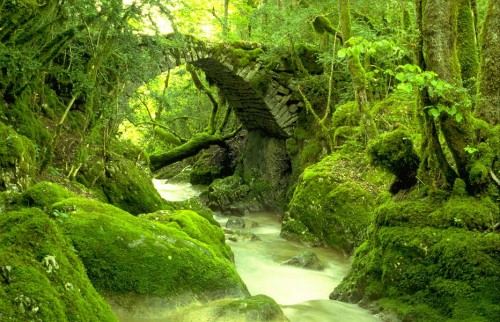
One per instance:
(411, 77)
(42, 279)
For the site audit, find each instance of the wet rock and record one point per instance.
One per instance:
(243, 235)
(258, 308)
(235, 222)
(307, 260)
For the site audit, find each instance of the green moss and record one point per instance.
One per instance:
(346, 115)
(254, 308)
(128, 187)
(196, 205)
(394, 152)
(322, 24)
(489, 86)
(42, 279)
(395, 110)
(467, 212)
(17, 159)
(224, 193)
(309, 58)
(467, 48)
(330, 205)
(44, 194)
(197, 227)
(430, 261)
(124, 254)
(261, 82)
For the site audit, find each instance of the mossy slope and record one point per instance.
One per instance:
(41, 278)
(126, 254)
(430, 261)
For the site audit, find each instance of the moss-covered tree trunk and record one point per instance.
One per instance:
(467, 46)
(358, 74)
(488, 107)
(439, 29)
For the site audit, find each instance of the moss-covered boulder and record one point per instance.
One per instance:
(194, 204)
(124, 254)
(224, 194)
(41, 277)
(331, 204)
(394, 152)
(196, 226)
(429, 260)
(128, 187)
(17, 159)
(44, 194)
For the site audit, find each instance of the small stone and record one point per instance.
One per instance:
(307, 260)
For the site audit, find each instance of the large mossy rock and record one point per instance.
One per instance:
(41, 276)
(169, 258)
(196, 227)
(17, 159)
(124, 185)
(331, 205)
(44, 194)
(429, 260)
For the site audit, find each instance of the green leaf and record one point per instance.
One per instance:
(342, 53)
(434, 112)
(459, 117)
(401, 76)
(405, 87)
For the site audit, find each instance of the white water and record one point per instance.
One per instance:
(302, 294)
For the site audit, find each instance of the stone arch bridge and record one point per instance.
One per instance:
(262, 99)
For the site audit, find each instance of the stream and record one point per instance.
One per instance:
(301, 293)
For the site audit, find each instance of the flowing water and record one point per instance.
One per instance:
(302, 293)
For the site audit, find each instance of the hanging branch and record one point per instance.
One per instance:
(215, 104)
(310, 109)
(330, 83)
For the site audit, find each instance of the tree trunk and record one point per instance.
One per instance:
(468, 54)
(488, 107)
(225, 27)
(358, 75)
(191, 148)
(433, 159)
(440, 34)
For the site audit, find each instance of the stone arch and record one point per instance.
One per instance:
(272, 110)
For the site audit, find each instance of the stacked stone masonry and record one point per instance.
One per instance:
(273, 112)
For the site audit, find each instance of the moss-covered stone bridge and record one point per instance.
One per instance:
(261, 98)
